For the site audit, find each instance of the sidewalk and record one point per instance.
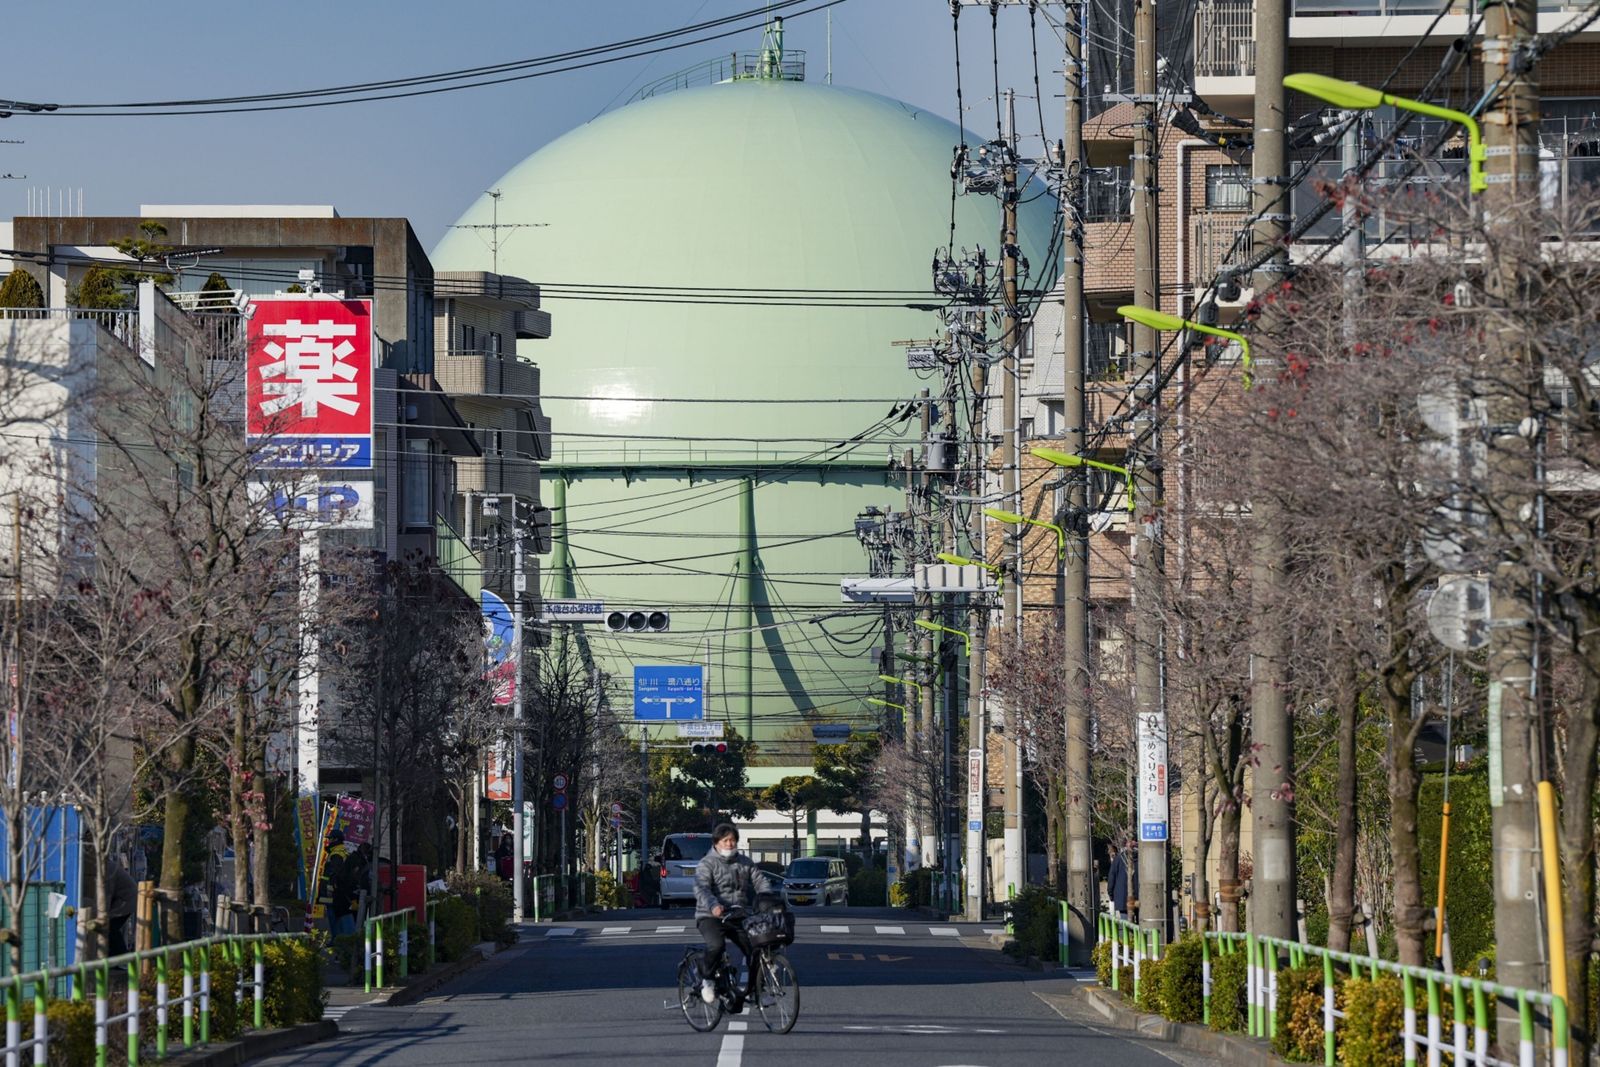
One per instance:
(345, 998)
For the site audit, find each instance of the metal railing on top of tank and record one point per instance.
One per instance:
(791, 66)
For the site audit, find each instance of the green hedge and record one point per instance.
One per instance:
(866, 887)
(1299, 1034)
(1469, 881)
(1375, 1016)
(455, 924)
(1035, 922)
(1183, 981)
(1229, 1011)
(491, 900)
(294, 992)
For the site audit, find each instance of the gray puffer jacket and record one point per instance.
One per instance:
(729, 882)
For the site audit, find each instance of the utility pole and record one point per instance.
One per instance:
(744, 662)
(1512, 375)
(1272, 890)
(922, 832)
(1143, 461)
(519, 582)
(1075, 564)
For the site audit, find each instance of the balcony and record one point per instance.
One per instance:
(1108, 195)
(1224, 39)
(479, 375)
(1213, 232)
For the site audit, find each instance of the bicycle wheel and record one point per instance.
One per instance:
(696, 1011)
(777, 993)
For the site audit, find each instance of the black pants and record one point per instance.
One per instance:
(716, 936)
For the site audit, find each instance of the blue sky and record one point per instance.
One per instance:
(423, 158)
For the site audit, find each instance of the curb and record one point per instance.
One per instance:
(412, 992)
(1224, 1048)
(259, 1044)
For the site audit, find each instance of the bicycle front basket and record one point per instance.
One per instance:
(770, 928)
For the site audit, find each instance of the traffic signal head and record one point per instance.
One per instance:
(709, 748)
(638, 622)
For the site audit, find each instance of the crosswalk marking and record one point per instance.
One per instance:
(669, 929)
(994, 929)
(889, 929)
(615, 930)
(560, 931)
(834, 929)
(944, 931)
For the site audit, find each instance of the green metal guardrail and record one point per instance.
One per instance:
(195, 1000)
(372, 945)
(1130, 944)
(556, 893)
(1265, 955)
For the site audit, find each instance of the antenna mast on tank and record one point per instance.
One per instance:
(494, 226)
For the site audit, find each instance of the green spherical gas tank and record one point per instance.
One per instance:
(740, 243)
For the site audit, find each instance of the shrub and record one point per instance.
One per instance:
(1229, 976)
(1150, 987)
(1183, 981)
(1299, 1017)
(71, 1024)
(608, 893)
(1374, 1015)
(1471, 874)
(866, 886)
(294, 992)
(491, 899)
(1035, 922)
(224, 1006)
(417, 948)
(346, 952)
(1100, 956)
(455, 925)
(21, 290)
(913, 890)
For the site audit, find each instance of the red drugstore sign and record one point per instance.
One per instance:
(308, 391)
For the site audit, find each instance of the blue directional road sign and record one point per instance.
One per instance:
(668, 694)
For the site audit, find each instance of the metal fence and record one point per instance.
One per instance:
(790, 66)
(1224, 39)
(123, 325)
(193, 962)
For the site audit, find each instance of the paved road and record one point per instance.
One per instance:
(874, 983)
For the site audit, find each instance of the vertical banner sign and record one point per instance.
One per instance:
(1152, 777)
(499, 635)
(497, 776)
(975, 798)
(308, 386)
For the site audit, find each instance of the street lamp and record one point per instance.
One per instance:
(1360, 98)
(924, 624)
(892, 680)
(962, 561)
(1062, 459)
(1011, 518)
(1160, 320)
(886, 704)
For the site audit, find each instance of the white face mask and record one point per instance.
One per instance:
(727, 853)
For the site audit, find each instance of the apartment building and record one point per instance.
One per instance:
(1204, 194)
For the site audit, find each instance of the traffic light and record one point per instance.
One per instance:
(638, 622)
(709, 748)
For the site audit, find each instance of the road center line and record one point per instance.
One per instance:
(732, 1052)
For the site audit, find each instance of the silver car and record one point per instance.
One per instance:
(816, 880)
(680, 855)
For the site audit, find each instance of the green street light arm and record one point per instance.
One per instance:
(962, 561)
(965, 637)
(1063, 459)
(1160, 320)
(901, 681)
(1011, 518)
(886, 704)
(1361, 98)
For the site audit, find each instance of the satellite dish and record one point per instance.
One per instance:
(1458, 613)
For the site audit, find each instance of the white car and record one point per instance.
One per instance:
(680, 855)
(816, 880)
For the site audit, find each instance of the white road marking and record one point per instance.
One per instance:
(732, 1052)
(994, 929)
(737, 1027)
(944, 931)
(929, 1029)
(669, 929)
(560, 931)
(834, 929)
(615, 930)
(890, 929)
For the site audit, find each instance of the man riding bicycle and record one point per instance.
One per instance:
(723, 881)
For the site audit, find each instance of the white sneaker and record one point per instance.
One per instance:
(708, 991)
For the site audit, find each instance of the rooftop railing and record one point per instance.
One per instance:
(790, 65)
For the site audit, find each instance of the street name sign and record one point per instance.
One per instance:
(668, 694)
(703, 728)
(573, 611)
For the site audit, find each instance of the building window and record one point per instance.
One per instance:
(417, 496)
(494, 344)
(1106, 351)
(1227, 186)
(469, 338)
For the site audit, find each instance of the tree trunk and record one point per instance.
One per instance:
(1410, 915)
(238, 785)
(1578, 848)
(175, 819)
(1228, 821)
(261, 832)
(1342, 886)
(1202, 857)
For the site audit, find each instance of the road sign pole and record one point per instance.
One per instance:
(644, 803)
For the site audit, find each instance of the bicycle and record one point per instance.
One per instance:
(772, 983)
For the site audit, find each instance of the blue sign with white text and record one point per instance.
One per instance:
(668, 694)
(1153, 831)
